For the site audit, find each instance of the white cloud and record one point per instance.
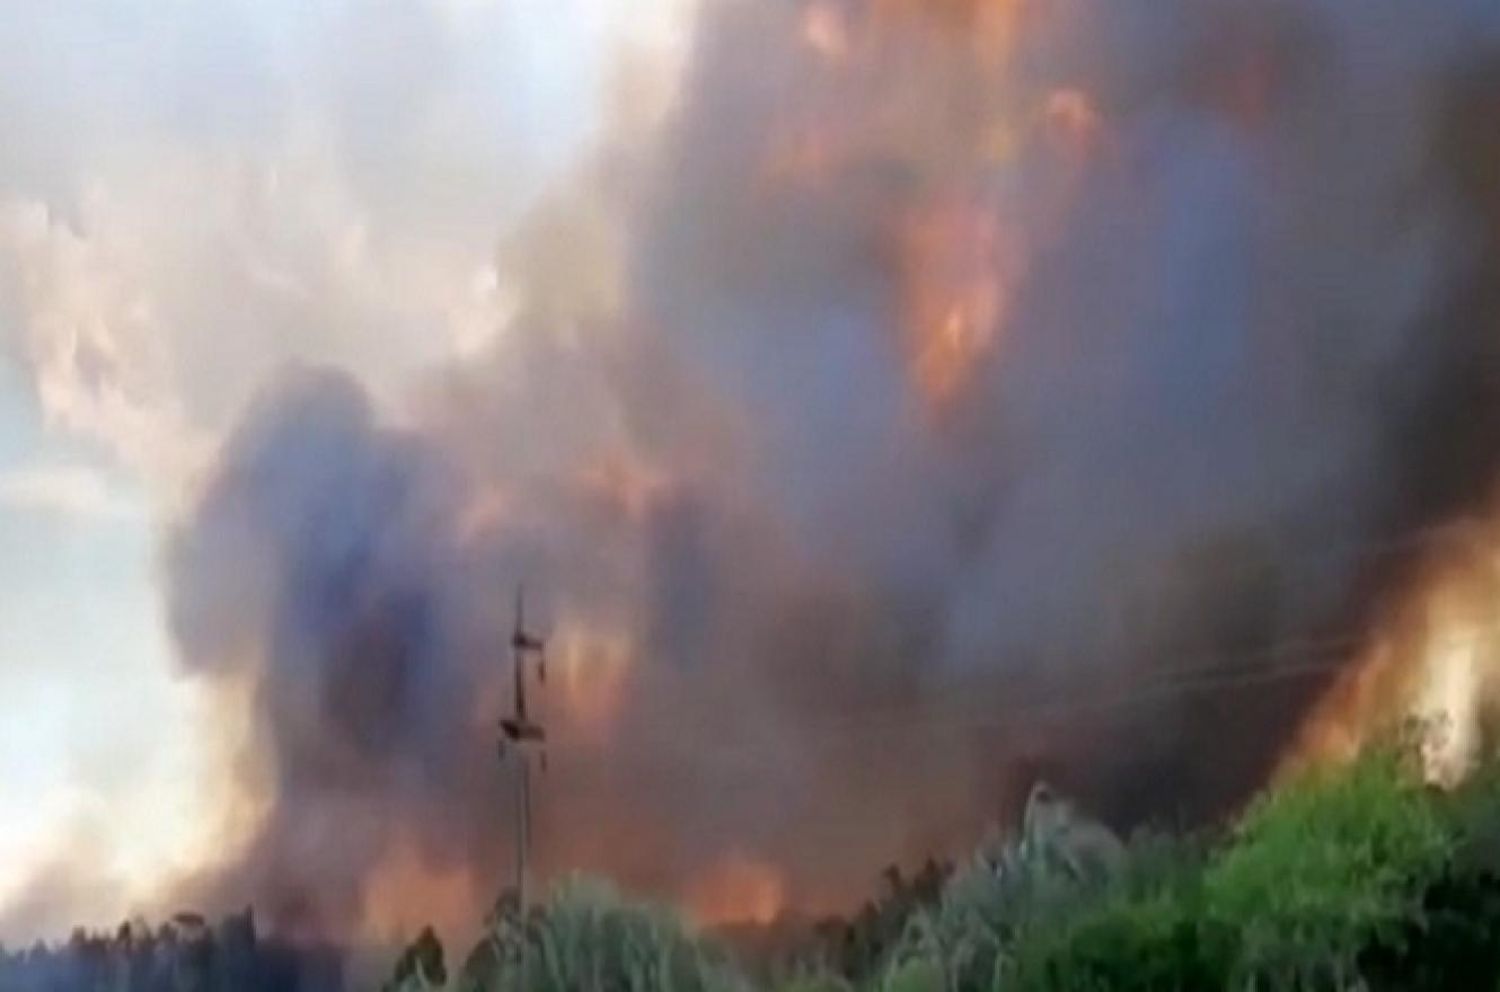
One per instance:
(329, 188)
(87, 332)
(63, 490)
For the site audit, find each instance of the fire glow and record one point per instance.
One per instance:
(737, 890)
(961, 250)
(1432, 657)
(856, 422)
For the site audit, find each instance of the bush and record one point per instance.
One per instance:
(916, 975)
(1363, 876)
(1322, 868)
(1144, 930)
(1124, 945)
(588, 939)
(816, 983)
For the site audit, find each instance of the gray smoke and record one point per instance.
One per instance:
(1255, 343)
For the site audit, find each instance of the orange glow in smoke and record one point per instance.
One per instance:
(989, 28)
(958, 272)
(486, 513)
(826, 31)
(737, 890)
(1073, 121)
(407, 892)
(922, 89)
(593, 669)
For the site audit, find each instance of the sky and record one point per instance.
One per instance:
(193, 195)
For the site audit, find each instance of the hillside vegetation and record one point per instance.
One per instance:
(1360, 879)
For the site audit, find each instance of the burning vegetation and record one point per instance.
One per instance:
(940, 393)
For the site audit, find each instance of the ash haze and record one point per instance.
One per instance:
(886, 401)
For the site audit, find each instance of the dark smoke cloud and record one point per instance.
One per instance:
(338, 594)
(1259, 341)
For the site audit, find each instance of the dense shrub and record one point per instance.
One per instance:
(859, 949)
(589, 939)
(1336, 881)
(1322, 868)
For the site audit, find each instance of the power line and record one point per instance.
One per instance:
(975, 715)
(1226, 663)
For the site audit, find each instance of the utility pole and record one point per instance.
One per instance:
(520, 735)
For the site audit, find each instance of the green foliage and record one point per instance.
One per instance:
(1361, 878)
(1140, 930)
(588, 939)
(1152, 943)
(1453, 941)
(981, 912)
(916, 975)
(816, 983)
(1324, 866)
(862, 948)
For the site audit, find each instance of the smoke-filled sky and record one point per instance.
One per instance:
(884, 401)
(191, 196)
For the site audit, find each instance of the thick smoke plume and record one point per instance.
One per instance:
(943, 394)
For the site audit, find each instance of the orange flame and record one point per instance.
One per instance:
(738, 889)
(958, 273)
(1434, 657)
(921, 89)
